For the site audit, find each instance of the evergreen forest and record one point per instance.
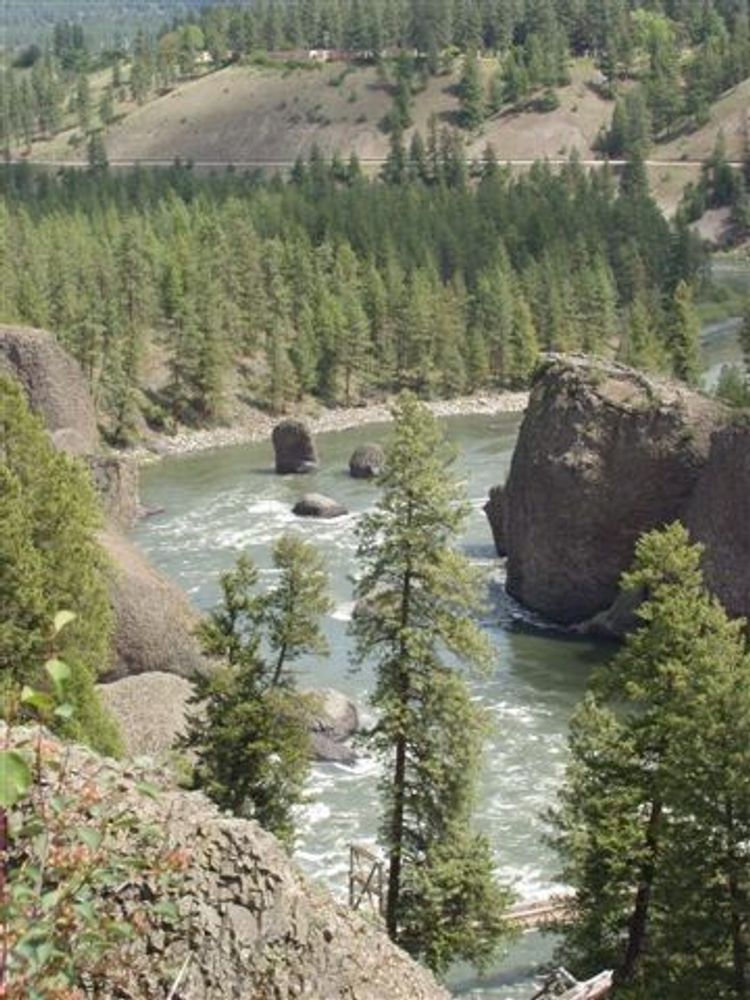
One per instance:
(337, 287)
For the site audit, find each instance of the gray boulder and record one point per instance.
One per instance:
(116, 480)
(154, 621)
(604, 454)
(316, 505)
(55, 386)
(150, 711)
(294, 448)
(495, 511)
(366, 461)
(335, 720)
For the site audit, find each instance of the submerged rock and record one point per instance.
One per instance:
(316, 505)
(604, 454)
(366, 461)
(294, 448)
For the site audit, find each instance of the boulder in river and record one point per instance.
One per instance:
(604, 454)
(316, 505)
(495, 511)
(294, 448)
(367, 461)
(335, 720)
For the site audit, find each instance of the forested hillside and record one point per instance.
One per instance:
(340, 287)
(654, 71)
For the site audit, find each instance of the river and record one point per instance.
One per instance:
(222, 503)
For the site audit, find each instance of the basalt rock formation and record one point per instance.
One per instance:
(604, 454)
(154, 621)
(366, 461)
(294, 448)
(55, 386)
(718, 515)
(250, 926)
(316, 505)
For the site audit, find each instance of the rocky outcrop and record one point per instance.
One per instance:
(250, 926)
(154, 621)
(366, 461)
(55, 386)
(116, 480)
(294, 448)
(495, 511)
(150, 711)
(604, 454)
(316, 505)
(335, 720)
(718, 515)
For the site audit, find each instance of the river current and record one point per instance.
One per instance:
(220, 504)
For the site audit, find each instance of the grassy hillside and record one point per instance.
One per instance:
(247, 114)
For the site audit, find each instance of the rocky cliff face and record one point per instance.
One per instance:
(154, 621)
(251, 927)
(604, 454)
(55, 385)
(718, 515)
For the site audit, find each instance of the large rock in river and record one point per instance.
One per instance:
(154, 621)
(718, 515)
(316, 505)
(294, 447)
(367, 461)
(604, 454)
(55, 386)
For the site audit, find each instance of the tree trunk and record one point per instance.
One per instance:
(639, 919)
(738, 907)
(397, 836)
(399, 776)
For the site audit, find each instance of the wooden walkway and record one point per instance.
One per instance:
(540, 913)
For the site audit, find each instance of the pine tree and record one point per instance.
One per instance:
(471, 92)
(655, 807)
(50, 561)
(250, 734)
(684, 335)
(443, 901)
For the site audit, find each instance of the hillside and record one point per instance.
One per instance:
(248, 115)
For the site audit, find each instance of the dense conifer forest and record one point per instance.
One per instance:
(334, 286)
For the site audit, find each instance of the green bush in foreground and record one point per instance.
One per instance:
(50, 559)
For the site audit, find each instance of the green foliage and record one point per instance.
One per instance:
(325, 286)
(443, 903)
(69, 843)
(250, 731)
(471, 93)
(652, 824)
(50, 559)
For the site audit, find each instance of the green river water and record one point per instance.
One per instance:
(220, 504)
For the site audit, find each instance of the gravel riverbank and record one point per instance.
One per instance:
(255, 425)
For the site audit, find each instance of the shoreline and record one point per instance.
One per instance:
(258, 426)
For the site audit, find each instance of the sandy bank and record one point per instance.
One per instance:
(257, 426)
